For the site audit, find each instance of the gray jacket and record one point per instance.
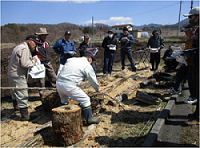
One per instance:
(20, 61)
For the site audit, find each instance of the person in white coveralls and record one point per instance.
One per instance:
(74, 71)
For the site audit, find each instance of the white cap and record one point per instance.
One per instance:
(194, 11)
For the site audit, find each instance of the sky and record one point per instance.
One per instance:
(81, 12)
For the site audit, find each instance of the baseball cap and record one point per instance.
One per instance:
(125, 29)
(67, 33)
(187, 27)
(86, 36)
(110, 31)
(88, 53)
(194, 11)
(157, 31)
(33, 38)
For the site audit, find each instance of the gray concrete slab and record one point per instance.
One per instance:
(167, 129)
(170, 133)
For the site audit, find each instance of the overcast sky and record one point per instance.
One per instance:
(106, 12)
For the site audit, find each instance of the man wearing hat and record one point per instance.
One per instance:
(87, 45)
(155, 41)
(74, 71)
(182, 72)
(20, 60)
(110, 46)
(66, 48)
(43, 53)
(126, 40)
(194, 52)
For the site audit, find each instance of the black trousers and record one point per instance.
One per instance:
(155, 60)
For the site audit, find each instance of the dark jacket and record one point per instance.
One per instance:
(167, 53)
(109, 41)
(83, 46)
(42, 51)
(125, 44)
(156, 42)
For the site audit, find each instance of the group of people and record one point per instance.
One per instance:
(73, 70)
(189, 70)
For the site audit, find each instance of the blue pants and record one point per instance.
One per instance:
(108, 61)
(129, 54)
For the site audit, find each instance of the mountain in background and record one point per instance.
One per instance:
(182, 23)
(16, 33)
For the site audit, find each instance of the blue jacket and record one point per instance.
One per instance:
(125, 44)
(64, 48)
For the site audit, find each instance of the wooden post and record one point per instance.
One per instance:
(67, 124)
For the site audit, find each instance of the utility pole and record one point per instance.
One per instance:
(191, 4)
(178, 31)
(92, 28)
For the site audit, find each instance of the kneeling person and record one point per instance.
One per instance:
(73, 73)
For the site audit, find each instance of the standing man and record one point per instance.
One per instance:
(43, 53)
(87, 45)
(110, 46)
(20, 60)
(66, 48)
(126, 40)
(73, 73)
(194, 52)
(155, 41)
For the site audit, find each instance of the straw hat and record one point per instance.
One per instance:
(42, 31)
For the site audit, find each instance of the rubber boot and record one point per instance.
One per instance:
(87, 113)
(24, 114)
(16, 108)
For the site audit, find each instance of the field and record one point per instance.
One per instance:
(125, 124)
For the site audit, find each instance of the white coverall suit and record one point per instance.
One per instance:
(73, 73)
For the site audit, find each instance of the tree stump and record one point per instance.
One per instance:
(50, 100)
(67, 124)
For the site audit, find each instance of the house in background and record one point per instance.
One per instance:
(118, 29)
(144, 34)
(137, 33)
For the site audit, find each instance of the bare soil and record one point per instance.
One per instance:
(126, 124)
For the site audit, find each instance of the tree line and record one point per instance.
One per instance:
(16, 33)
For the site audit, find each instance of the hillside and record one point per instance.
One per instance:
(16, 33)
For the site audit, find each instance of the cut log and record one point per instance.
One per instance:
(67, 124)
(144, 97)
(124, 95)
(50, 100)
(147, 82)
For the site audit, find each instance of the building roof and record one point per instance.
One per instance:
(122, 25)
(137, 30)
